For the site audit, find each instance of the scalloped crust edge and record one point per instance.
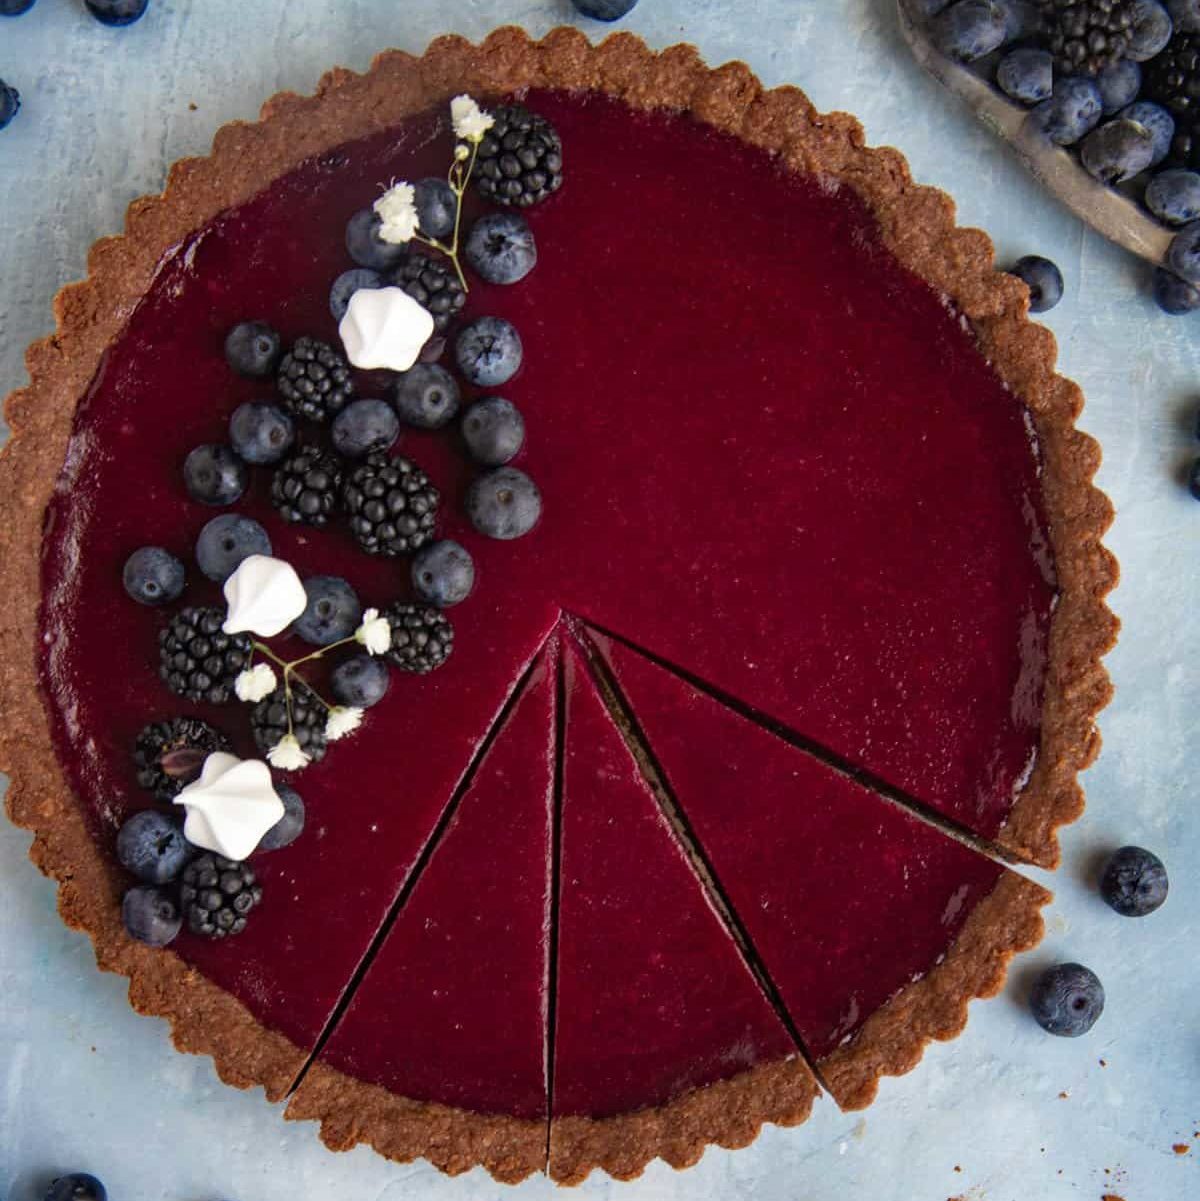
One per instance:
(916, 223)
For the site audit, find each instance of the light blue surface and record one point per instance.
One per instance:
(86, 1083)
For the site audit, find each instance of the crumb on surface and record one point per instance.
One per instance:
(1063, 1096)
(1180, 1148)
(192, 106)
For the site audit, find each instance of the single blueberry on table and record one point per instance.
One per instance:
(1135, 882)
(970, 29)
(1183, 255)
(214, 475)
(333, 611)
(426, 396)
(118, 12)
(150, 915)
(151, 845)
(361, 681)
(77, 1186)
(366, 247)
(225, 541)
(488, 352)
(10, 103)
(1074, 108)
(14, 8)
(1174, 295)
(605, 10)
(1067, 1000)
(504, 504)
(1027, 74)
(443, 574)
(356, 279)
(493, 430)
(253, 348)
(1119, 85)
(153, 576)
(1117, 151)
(1174, 196)
(1158, 121)
(290, 826)
(261, 432)
(1150, 32)
(363, 426)
(501, 249)
(1043, 279)
(436, 207)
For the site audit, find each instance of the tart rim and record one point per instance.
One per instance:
(917, 225)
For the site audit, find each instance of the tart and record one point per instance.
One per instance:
(710, 807)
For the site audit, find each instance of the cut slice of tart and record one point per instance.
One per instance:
(875, 927)
(663, 1039)
(450, 1019)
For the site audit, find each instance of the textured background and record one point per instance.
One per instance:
(1003, 1113)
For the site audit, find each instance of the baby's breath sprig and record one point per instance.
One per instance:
(397, 208)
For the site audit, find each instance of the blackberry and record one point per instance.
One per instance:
(197, 660)
(269, 721)
(305, 485)
(1173, 80)
(391, 504)
(169, 754)
(433, 285)
(520, 158)
(1086, 36)
(314, 380)
(422, 638)
(216, 894)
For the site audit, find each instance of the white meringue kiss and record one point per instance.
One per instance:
(264, 595)
(384, 328)
(231, 806)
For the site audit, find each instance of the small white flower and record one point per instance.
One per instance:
(398, 214)
(375, 633)
(469, 120)
(255, 683)
(287, 754)
(462, 153)
(342, 720)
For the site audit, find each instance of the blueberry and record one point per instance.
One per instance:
(436, 207)
(443, 574)
(504, 503)
(150, 915)
(1183, 255)
(365, 245)
(1027, 74)
(225, 541)
(151, 845)
(214, 475)
(1134, 882)
(501, 249)
(1174, 295)
(117, 12)
(426, 396)
(77, 1186)
(153, 576)
(970, 29)
(365, 425)
(10, 103)
(253, 348)
(261, 432)
(1067, 1000)
(1119, 85)
(1074, 107)
(488, 352)
(604, 10)
(14, 8)
(1043, 279)
(1150, 32)
(1158, 121)
(346, 284)
(332, 613)
(1117, 151)
(289, 827)
(493, 430)
(1174, 196)
(361, 681)
(1185, 15)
